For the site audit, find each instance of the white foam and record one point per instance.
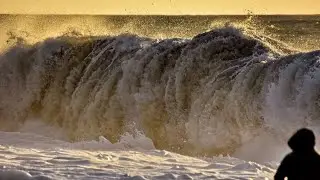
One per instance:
(24, 160)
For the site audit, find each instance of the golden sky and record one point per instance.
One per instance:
(172, 7)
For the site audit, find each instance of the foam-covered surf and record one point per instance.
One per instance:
(206, 95)
(33, 157)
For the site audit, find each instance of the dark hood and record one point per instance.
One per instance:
(303, 140)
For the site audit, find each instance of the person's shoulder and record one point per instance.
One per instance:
(289, 157)
(318, 157)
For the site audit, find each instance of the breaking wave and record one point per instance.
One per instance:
(201, 96)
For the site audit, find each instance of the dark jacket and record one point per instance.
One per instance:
(303, 163)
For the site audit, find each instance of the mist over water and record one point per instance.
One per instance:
(300, 32)
(200, 93)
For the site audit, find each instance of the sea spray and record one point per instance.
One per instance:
(201, 96)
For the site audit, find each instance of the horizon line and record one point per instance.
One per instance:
(79, 14)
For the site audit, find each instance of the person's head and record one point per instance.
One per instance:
(303, 140)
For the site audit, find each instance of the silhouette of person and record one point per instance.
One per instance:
(303, 163)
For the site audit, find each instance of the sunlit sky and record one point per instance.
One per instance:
(168, 7)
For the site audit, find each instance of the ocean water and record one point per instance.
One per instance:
(147, 91)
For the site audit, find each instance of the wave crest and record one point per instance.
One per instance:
(205, 95)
